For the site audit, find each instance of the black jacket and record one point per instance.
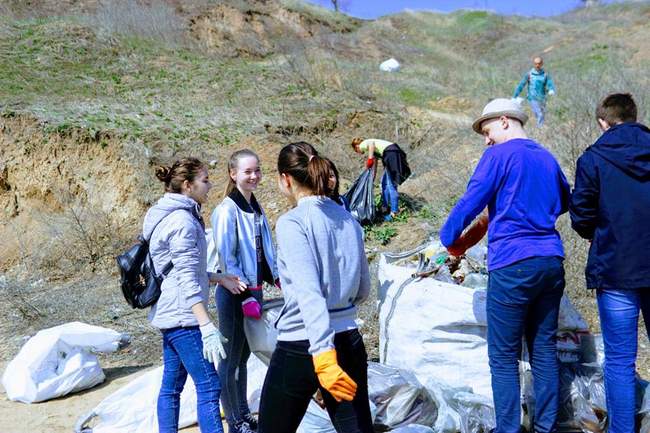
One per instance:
(394, 160)
(610, 205)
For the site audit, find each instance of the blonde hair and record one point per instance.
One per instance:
(233, 163)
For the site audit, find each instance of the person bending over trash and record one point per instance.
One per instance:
(191, 342)
(242, 236)
(396, 169)
(610, 206)
(525, 191)
(324, 274)
(539, 84)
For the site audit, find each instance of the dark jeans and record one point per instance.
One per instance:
(232, 370)
(291, 382)
(523, 299)
(619, 320)
(182, 354)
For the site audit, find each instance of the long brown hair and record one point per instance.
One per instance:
(233, 163)
(306, 166)
(183, 169)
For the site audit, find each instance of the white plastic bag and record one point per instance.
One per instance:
(413, 428)
(390, 65)
(58, 361)
(261, 333)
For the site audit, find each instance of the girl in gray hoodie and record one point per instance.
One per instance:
(191, 342)
(324, 275)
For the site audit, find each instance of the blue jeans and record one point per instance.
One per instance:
(232, 370)
(182, 354)
(619, 318)
(389, 194)
(539, 108)
(523, 299)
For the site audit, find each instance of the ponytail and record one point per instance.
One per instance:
(302, 162)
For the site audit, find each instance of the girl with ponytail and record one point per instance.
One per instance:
(324, 275)
(244, 247)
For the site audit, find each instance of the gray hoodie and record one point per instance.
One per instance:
(323, 271)
(179, 237)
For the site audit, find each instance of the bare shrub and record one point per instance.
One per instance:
(156, 20)
(80, 239)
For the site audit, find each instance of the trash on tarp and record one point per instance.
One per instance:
(436, 307)
(60, 360)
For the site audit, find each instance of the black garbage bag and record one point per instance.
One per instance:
(361, 198)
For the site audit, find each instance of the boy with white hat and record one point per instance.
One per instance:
(525, 191)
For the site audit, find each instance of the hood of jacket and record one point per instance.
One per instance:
(627, 146)
(167, 204)
(534, 71)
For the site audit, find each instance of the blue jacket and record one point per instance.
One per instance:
(610, 205)
(539, 84)
(525, 191)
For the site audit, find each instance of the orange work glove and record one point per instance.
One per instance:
(471, 237)
(332, 377)
(370, 162)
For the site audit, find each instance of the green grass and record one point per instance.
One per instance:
(62, 72)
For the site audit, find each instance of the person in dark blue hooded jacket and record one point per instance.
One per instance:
(610, 207)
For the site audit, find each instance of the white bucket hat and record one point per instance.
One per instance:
(500, 107)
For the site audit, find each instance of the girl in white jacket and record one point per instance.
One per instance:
(245, 249)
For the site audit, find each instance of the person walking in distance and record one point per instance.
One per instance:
(540, 84)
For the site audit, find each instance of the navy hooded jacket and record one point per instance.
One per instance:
(610, 206)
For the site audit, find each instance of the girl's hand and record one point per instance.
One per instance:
(231, 282)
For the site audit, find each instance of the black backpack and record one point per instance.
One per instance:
(138, 279)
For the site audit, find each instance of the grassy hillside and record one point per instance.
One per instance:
(91, 97)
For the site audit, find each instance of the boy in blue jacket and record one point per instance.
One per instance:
(610, 207)
(525, 191)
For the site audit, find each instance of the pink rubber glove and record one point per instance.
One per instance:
(251, 308)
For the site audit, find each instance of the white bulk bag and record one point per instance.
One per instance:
(58, 361)
(436, 330)
(132, 408)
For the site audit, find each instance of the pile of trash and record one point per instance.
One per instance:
(433, 322)
(433, 374)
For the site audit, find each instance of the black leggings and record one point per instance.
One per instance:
(291, 382)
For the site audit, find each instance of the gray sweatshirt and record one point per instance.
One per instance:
(323, 270)
(180, 237)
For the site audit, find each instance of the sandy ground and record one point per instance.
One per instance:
(61, 414)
